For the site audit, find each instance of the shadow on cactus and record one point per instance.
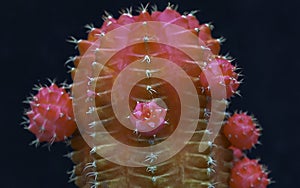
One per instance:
(147, 107)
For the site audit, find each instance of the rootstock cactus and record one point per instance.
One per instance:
(147, 107)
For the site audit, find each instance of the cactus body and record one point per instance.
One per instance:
(189, 168)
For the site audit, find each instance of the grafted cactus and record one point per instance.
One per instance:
(149, 94)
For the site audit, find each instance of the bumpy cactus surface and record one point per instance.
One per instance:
(248, 173)
(51, 115)
(241, 131)
(115, 67)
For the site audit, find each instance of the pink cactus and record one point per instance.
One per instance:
(229, 78)
(51, 115)
(148, 118)
(242, 131)
(248, 173)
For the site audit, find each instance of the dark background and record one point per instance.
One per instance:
(263, 37)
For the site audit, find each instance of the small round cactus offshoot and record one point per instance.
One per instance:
(51, 117)
(148, 118)
(248, 173)
(242, 131)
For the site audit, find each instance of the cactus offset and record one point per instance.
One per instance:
(229, 78)
(248, 173)
(155, 106)
(241, 131)
(51, 116)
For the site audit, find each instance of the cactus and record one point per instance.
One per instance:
(155, 107)
(241, 131)
(51, 116)
(248, 173)
(229, 77)
(148, 118)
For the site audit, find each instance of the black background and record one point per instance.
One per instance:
(263, 37)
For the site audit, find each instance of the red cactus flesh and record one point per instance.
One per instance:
(51, 115)
(148, 118)
(248, 174)
(241, 131)
(228, 77)
(237, 153)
